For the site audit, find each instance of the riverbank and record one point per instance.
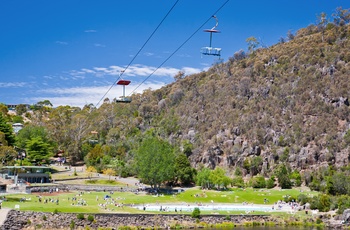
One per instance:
(17, 220)
(33, 220)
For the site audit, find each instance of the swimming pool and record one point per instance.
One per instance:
(205, 207)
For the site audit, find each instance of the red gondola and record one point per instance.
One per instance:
(123, 99)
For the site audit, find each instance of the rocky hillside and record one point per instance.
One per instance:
(286, 103)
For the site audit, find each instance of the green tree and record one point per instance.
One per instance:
(238, 182)
(94, 157)
(202, 178)
(155, 160)
(282, 175)
(7, 130)
(343, 203)
(3, 109)
(295, 178)
(270, 183)
(258, 182)
(7, 155)
(17, 119)
(196, 213)
(340, 184)
(187, 148)
(91, 170)
(184, 173)
(321, 202)
(110, 172)
(30, 131)
(218, 178)
(118, 166)
(38, 150)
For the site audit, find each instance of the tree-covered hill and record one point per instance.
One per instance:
(285, 104)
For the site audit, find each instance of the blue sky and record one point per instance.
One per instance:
(71, 52)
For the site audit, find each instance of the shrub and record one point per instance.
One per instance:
(321, 202)
(196, 213)
(72, 224)
(270, 183)
(80, 216)
(55, 211)
(90, 218)
(44, 217)
(238, 181)
(302, 199)
(258, 182)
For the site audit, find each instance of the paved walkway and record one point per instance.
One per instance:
(3, 215)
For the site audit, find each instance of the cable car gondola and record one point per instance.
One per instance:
(94, 139)
(123, 99)
(209, 50)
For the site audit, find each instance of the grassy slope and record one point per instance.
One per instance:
(194, 195)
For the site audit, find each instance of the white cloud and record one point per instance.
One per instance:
(62, 43)
(136, 70)
(87, 71)
(148, 54)
(190, 70)
(80, 96)
(99, 45)
(64, 78)
(90, 31)
(12, 84)
(95, 82)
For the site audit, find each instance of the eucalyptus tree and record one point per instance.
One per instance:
(155, 161)
(69, 127)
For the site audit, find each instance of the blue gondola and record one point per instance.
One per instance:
(209, 50)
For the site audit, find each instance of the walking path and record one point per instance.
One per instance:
(3, 215)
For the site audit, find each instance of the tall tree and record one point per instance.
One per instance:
(253, 43)
(341, 16)
(282, 175)
(218, 178)
(30, 131)
(110, 172)
(184, 173)
(38, 150)
(7, 155)
(203, 178)
(3, 109)
(155, 161)
(7, 130)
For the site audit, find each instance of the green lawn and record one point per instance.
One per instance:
(193, 195)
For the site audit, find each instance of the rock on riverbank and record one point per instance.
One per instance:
(33, 220)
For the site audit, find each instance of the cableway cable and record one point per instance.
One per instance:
(132, 60)
(173, 53)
